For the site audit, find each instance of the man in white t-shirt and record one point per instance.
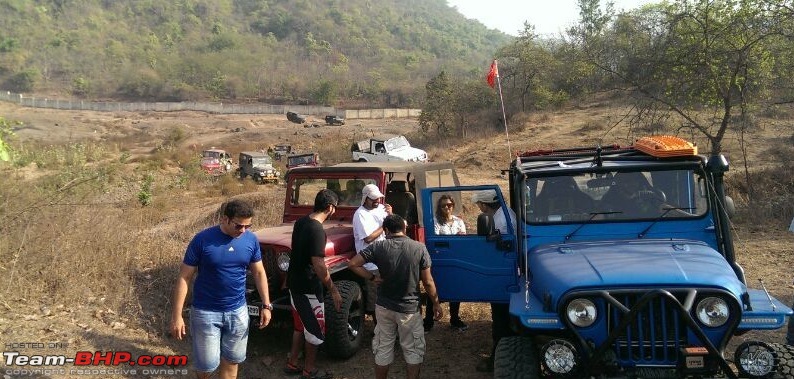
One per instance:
(489, 204)
(368, 219)
(368, 228)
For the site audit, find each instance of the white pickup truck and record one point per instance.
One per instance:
(387, 149)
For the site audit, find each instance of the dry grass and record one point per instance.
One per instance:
(77, 232)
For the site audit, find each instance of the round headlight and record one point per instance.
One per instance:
(283, 262)
(582, 312)
(713, 312)
(559, 357)
(756, 359)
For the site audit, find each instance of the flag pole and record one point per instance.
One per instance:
(504, 115)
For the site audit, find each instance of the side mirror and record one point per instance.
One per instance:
(730, 207)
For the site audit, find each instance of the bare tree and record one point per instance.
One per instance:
(701, 59)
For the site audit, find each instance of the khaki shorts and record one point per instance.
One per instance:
(408, 327)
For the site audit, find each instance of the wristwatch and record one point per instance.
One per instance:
(268, 306)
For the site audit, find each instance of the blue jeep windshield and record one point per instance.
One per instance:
(615, 196)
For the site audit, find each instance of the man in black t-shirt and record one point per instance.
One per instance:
(306, 277)
(402, 264)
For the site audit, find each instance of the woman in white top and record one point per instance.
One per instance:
(446, 223)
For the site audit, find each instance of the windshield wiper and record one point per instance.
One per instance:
(661, 216)
(592, 216)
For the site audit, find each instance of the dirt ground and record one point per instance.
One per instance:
(764, 253)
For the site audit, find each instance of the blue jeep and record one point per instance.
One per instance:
(621, 265)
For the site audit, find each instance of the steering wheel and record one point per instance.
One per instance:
(649, 201)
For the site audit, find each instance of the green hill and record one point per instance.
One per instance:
(332, 52)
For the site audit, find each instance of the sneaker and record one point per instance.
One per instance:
(316, 375)
(428, 326)
(459, 324)
(291, 369)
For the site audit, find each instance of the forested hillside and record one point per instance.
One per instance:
(331, 52)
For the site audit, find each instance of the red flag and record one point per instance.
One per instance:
(492, 74)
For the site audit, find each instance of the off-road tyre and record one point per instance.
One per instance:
(785, 356)
(516, 357)
(340, 341)
(242, 175)
(361, 160)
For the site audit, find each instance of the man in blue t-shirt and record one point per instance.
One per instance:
(218, 258)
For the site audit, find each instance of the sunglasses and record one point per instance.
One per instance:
(448, 205)
(241, 226)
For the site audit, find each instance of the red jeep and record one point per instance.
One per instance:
(216, 161)
(399, 181)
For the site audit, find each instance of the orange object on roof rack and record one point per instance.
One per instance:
(666, 146)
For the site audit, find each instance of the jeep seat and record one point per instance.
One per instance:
(402, 202)
(352, 194)
(562, 200)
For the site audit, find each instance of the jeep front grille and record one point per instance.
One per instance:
(271, 268)
(654, 337)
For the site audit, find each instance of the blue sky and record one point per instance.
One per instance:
(548, 16)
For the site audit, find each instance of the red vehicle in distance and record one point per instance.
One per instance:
(216, 161)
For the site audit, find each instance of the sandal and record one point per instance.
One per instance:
(316, 375)
(292, 369)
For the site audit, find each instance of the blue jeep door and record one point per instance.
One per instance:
(470, 266)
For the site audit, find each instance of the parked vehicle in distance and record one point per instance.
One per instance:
(399, 181)
(296, 117)
(280, 151)
(216, 161)
(384, 149)
(303, 160)
(259, 166)
(621, 263)
(334, 120)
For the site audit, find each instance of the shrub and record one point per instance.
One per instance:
(145, 194)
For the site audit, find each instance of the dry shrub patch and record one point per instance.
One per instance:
(770, 200)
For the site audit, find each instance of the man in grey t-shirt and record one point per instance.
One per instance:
(402, 264)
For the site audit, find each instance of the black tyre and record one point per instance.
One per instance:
(344, 328)
(242, 175)
(516, 357)
(785, 355)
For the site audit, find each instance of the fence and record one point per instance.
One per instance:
(221, 108)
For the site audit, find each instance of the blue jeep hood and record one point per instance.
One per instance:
(629, 264)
